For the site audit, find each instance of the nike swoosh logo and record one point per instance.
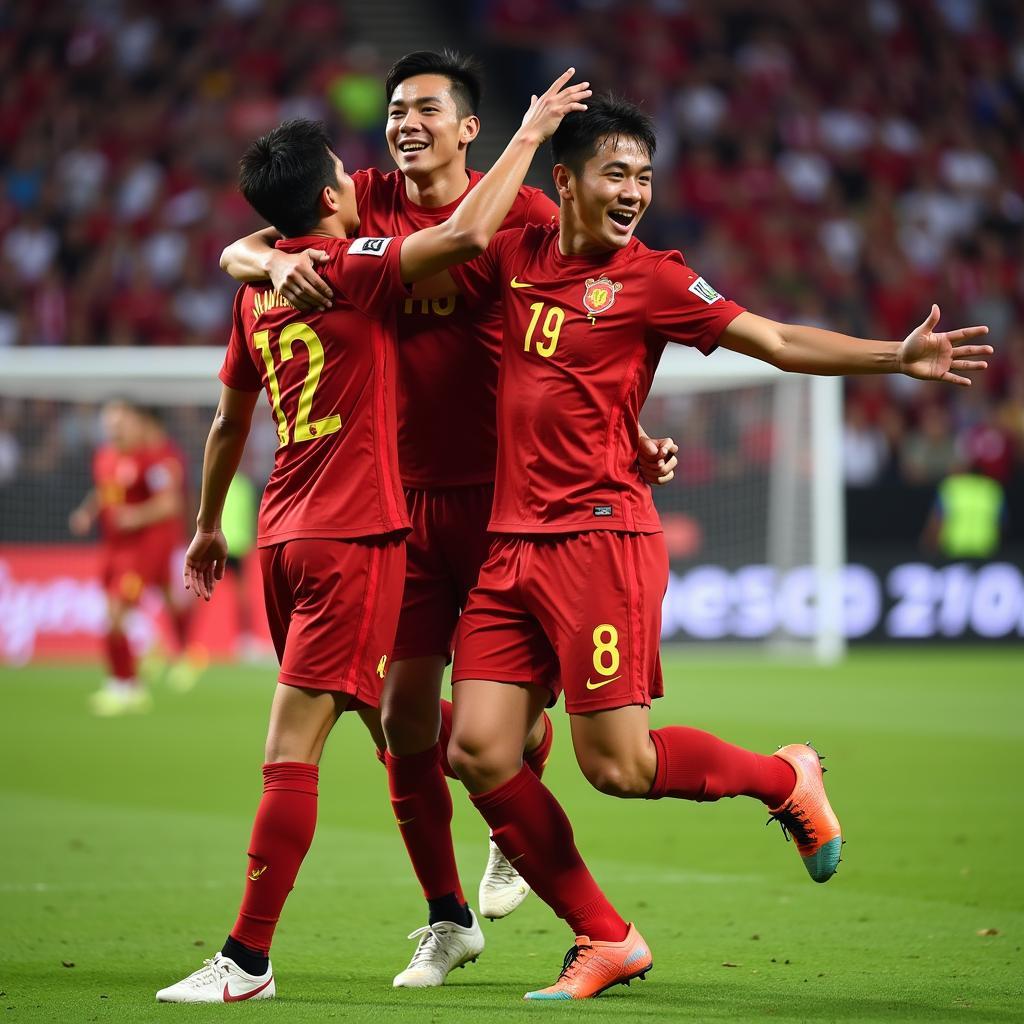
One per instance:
(514, 859)
(405, 821)
(604, 682)
(520, 284)
(253, 875)
(229, 998)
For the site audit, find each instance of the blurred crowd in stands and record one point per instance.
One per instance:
(843, 164)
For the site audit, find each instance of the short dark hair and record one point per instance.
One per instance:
(463, 72)
(576, 139)
(283, 173)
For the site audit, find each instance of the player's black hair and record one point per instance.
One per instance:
(283, 173)
(578, 136)
(154, 414)
(464, 73)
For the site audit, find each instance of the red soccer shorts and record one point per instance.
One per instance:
(128, 566)
(444, 552)
(332, 606)
(578, 613)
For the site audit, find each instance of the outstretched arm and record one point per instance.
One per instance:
(467, 232)
(924, 354)
(205, 558)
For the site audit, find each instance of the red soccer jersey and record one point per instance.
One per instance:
(330, 380)
(121, 479)
(166, 471)
(447, 433)
(582, 338)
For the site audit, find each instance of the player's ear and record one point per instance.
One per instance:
(563, 181)
(330, 200)
(470, 129)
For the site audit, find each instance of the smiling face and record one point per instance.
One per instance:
(425, 130)
(606, 199)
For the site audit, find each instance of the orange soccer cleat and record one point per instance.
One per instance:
(807, 814)
(591, 967)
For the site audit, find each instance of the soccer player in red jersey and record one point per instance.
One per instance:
(333, 519)
(165, 542)
(447, 444)
(138, 502)
(569, 600)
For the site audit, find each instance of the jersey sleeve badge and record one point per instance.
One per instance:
(704, 291)
(599, 294)
(369, 246)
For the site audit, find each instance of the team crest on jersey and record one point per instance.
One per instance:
(599, 294)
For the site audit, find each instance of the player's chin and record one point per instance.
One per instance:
(618, 239)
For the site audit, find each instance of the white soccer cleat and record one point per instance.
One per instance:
(442, 947)
(220, 980)
(502, 888)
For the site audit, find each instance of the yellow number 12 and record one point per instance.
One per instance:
(304, 430)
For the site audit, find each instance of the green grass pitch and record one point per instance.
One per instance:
(122, 852)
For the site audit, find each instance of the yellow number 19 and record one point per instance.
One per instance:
(304, 430)
(550, 329)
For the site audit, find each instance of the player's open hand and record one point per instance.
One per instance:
(930, 355)
(204, 562)
(547, 110)
(657, 459)
(294, 276)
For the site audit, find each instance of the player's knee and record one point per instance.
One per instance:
(408, 734)
(475, 762)
(625, 780)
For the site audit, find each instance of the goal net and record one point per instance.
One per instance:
(753, 520)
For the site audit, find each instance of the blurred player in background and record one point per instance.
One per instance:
(447, 444)
(138, 502)
(569, 599)
(333, 518)
(239, 522)
(183, 664)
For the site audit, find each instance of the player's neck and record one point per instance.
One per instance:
(440, 188)
(574, 240)
(333, 227)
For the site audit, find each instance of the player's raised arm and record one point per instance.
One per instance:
(206, 555)
(924, 354)
(254, 258)
(467, 232)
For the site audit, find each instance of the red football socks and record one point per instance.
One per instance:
(423, 810)
(281, 836)
(181, 617)
(694, 765)
(537, 758)
(120, 657)
(531, 829)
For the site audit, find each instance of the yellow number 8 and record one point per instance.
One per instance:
(606, 641)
